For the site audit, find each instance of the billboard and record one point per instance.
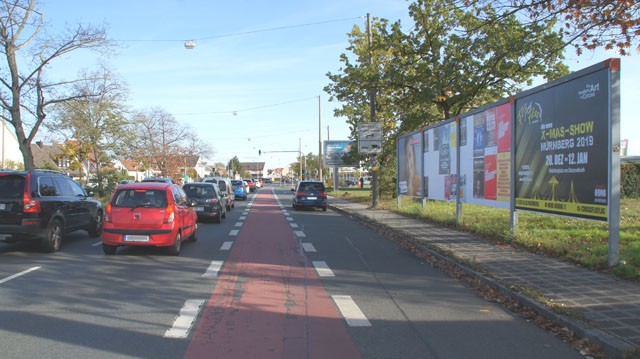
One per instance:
(562, 148)
(410, 164)
(440, 176)
(335, 152)
(485, 157)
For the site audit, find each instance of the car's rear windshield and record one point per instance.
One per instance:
(236, 183)
(140, 198)
(11, 186)
(199, 191)
(312, 187)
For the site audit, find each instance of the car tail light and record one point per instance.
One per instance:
(169, 215)
(107, 213)
(30, 205)
(300, 194)
(323, 194)
(212, 200)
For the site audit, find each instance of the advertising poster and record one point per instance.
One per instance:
(485, 160)
(562, 148)
(409, 165)
(334, 152)
(490, 178)
(439, 164)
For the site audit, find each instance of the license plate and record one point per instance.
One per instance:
(199, 209)
(312, 197)
(136, 238)
(2, 206)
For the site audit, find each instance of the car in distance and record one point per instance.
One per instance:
(42, 205)
(310, 194)
(239, 189)
(226, 188)
(252, 185)
(149, 214)
(207, 199)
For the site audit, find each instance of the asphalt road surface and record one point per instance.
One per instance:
(268, 282)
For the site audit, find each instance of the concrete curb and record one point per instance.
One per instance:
(614, 347)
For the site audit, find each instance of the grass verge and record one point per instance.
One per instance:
(579, 241)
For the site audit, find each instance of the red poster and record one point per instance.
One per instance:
(503, 120)
(490, 177)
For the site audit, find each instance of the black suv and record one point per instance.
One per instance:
(42, 205)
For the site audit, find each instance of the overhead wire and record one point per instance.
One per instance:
(235, 112)
(244, 32)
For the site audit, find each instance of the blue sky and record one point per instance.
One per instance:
(270, 79)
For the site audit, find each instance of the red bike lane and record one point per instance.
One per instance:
(269, 301)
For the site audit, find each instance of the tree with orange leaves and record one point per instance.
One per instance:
(584, 24)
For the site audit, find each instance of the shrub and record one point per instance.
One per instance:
(630, 180)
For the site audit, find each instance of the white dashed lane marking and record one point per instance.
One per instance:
(226, 246)
(238, 224)
(323, 269)
(293, 225)
(234, 232)
(350, 311)
(19, 274)
(185, 319)
(299, 234)
(308, 247)
(213, 269)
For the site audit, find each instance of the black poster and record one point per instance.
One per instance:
(562, 148)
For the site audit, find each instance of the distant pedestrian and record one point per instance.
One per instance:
(361, 183)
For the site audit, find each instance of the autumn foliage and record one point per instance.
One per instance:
(585, 24)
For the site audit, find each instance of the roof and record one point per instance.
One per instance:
(253, 166)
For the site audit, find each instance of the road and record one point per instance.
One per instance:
(268, 282)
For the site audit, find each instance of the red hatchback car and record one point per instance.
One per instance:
(149, 214)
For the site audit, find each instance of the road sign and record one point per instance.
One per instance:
(370, 138)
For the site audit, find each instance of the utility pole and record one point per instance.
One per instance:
(319, 139)
(372, 104)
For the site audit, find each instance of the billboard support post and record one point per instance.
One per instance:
(614, 163)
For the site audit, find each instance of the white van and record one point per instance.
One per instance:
(225, 187)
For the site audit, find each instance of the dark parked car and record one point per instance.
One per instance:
(226, 189)
(207, 200)
(42, 205)
(149, 214)
(310, 194)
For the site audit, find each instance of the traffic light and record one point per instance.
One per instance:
(259, 152)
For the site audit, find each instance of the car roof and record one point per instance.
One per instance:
(191, 184)
(146, 185)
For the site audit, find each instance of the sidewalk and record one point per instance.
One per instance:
(610, 307)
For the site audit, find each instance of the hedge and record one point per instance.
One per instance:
(630, 180)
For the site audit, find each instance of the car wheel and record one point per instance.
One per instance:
(109, 249)
(194, 235)
(51, 242)
(96, 226)
(218, 218)
(324, 209)
(174, 250)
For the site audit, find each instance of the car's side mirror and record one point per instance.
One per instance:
(293, 190)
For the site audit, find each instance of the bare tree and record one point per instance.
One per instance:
(164, 143)
(25, 92)
(97, 125)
